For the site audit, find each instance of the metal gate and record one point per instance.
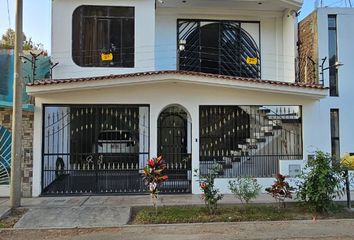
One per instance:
(94, 149)
(174, 145)
(219, 47)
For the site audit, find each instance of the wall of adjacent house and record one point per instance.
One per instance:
(188, 95)
(62, 11)
(7, 74)
(344, 102)
(27, 149)
(277, 53)
(308, 49)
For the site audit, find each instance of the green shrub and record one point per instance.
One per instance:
(245, 189)
(320, 184)
(211, 195)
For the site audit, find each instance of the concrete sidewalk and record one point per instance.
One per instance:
(125, 201)
(99, 211)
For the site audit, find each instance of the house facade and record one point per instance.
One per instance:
(198, 82)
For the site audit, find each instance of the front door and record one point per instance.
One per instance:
(174, 146)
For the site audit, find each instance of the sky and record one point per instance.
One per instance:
(36, 17)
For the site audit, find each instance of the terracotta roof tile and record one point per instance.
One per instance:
(184, 73)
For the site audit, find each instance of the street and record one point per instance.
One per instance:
(324, 229)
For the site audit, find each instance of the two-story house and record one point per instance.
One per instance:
(197, 82)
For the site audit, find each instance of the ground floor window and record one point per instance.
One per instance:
(335, 133)
(249, 140)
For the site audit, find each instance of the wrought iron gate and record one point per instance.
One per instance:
(174, 144)
(94, 149)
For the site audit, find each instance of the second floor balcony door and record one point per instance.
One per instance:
(219, 47)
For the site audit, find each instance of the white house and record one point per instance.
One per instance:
(195, 81)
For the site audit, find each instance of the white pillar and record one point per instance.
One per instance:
(37, 150)
(194, 112)
(289, 44)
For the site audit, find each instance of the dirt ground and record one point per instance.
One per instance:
(323, 229)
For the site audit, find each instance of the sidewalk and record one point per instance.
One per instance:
(100, 211)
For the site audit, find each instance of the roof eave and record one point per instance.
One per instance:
(314, 93)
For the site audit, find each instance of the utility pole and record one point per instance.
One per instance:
(16, 147)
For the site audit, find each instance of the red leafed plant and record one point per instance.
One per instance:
(280, 190)
(154, 176)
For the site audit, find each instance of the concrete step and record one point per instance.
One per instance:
(268, 134)
(277, 127)
(266, 128)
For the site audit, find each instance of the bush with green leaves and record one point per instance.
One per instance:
(245, 189)
(211, 195)
(320, 184)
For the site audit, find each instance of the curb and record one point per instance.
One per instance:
(5, 213)
(179, 224)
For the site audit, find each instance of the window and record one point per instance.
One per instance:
(332, 55)
(335, 133)
(219, 47)
(103, 36)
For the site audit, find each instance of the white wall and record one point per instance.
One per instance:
(62, 11)
(190, 96)
(345, 38)
(276, 49)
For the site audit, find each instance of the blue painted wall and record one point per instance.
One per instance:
(7, 74)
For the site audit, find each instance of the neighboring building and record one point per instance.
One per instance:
(195, 81)
(6, 96)
(328, 33)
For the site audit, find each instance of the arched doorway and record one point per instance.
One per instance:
(174, 144)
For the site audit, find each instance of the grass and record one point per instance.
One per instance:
(10, 220)
(197, 214)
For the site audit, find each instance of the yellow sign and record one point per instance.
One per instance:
(106, 57)
(251, 61)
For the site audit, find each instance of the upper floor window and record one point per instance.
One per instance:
(103, 36)
(219, 47)
(332, 55)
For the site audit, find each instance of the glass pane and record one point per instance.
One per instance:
(332, 56)
(128, 43)
(335, 149)
(332, 21)
(126, 12)
(334, 123)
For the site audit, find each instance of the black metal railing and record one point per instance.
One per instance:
(219, 47)
(249, 140)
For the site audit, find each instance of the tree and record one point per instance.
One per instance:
(8, 41)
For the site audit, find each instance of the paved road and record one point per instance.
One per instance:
(326, 229)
